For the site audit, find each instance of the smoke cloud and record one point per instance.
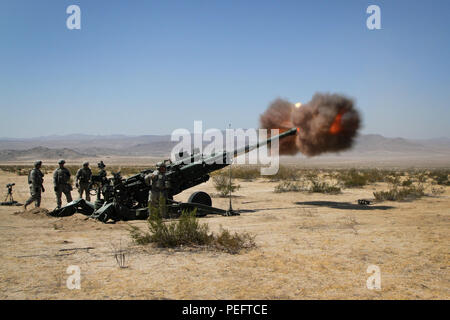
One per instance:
(279, 116)
(328, 123)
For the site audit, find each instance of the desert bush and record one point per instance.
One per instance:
(407, 183)
(352, 178)
(222, 184)
(393, 180)
(374, 175)
(188, 231)
(314, 186)
(21, 170)
(421, 177)
(436, 191)
(288, 186)
(311, 175)
(140, 237)
(440, 177)
(233, 243)
(399, 194)
(324, 187)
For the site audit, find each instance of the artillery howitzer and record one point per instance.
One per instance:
(127, 199)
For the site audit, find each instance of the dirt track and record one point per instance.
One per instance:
(309, 246)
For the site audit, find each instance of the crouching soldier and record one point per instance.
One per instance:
(83, 179)
(36, 182)
(61, 181)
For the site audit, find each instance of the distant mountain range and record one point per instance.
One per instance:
(78, 146)
(41, 153)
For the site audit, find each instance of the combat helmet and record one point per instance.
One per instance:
(101, 164)
(61, 161)
(37, 163)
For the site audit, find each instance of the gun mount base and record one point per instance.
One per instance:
(116, 212)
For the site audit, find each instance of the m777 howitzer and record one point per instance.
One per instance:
(128, 199)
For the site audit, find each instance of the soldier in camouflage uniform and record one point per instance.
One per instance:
(102, 172)
(61, 181)
(159, 183)
(103, 178)
(36, 181)
(83, 179)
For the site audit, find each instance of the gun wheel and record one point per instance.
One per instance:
(201, 198)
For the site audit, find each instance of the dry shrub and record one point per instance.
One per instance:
(406, 183)
(188, 231)
(324, 187)
(436, 191)
(233, 243)
(289, 186)
(223, 186)
(440, 176)
(314, 186)
(399, 194)
(352, 178)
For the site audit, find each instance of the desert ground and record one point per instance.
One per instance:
(309, 246)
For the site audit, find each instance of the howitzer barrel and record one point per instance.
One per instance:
(249, 148)
(223, 157)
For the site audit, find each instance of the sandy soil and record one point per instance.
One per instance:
(309, 246)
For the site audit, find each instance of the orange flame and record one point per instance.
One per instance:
(336, 127)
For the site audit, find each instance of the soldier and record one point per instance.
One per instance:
(103, 179)
(61, 181)
(102, 172)
(36, 182)
(159, 184)
(83, 179)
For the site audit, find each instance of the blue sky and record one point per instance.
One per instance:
(149, 67)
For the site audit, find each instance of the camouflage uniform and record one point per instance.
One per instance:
(103, 178)
(160, 185)
(35, 180)
(61, 178)
(83, 177)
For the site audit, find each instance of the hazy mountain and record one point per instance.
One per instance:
(78, 146)
(81, 142)
(41, 153)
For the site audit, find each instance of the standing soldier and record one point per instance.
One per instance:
(102, 172)
(103, 179)
(36, 182)
(83, 179)
(159, 184)
(61, 181)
